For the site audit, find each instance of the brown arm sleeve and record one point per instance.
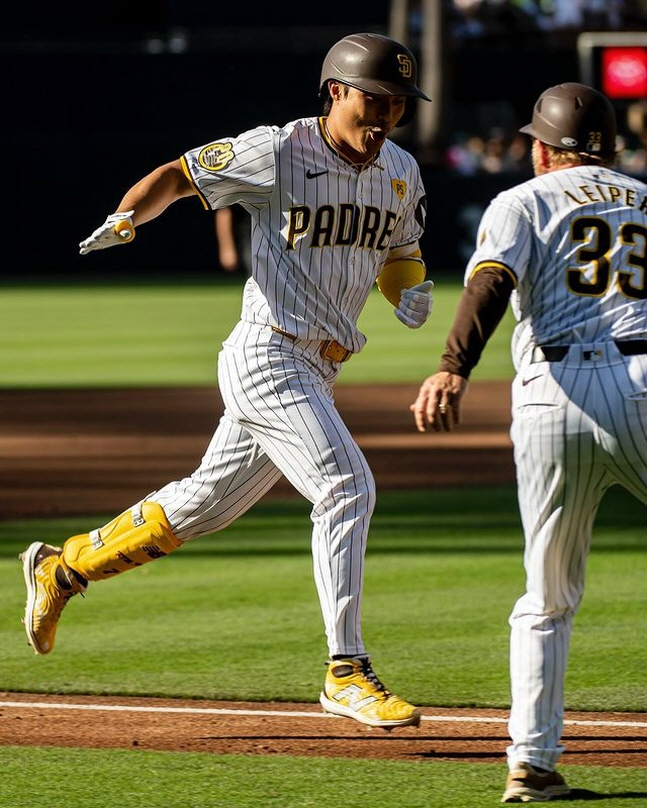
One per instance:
(482, 305)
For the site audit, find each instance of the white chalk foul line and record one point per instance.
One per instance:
(128, 708)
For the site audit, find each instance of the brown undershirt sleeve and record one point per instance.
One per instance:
(482, 305)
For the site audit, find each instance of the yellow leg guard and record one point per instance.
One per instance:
(136, 537)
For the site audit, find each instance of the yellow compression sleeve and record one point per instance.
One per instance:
(399, 274)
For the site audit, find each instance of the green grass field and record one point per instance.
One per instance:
(440, 582)
(123, 779)
(443, 570)
(140, 333)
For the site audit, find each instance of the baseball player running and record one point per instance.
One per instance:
(335, 206)
(569, 249)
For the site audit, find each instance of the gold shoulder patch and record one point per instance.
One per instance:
(216, 156)
(399, 187)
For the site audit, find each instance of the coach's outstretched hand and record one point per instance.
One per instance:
(415, 304)
(438, 405)
(118, 228)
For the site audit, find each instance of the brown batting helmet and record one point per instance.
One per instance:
(574, 117)
(374, 64)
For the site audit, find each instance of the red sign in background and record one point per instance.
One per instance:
(624, 72)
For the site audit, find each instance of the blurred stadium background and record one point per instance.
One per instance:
(95, 96)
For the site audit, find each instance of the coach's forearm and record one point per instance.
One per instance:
(480, 310)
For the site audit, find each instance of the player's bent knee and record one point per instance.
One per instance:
(135, 537)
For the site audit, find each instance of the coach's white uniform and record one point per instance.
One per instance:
(579, 405)
(321, 231)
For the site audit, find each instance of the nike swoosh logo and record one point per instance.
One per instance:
(524, 382)
(312, 174)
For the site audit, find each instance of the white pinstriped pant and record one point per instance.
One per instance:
(579, 426)
(280, 417)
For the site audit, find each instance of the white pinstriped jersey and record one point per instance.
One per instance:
(576, 240)
(321, 230)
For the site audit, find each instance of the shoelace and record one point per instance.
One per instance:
(372, 677)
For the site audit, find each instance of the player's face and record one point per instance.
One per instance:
(364, 121)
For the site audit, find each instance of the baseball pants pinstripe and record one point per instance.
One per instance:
(280, 417)
(579, 427)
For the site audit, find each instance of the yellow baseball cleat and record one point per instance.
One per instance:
(353, 690)
(46, 596)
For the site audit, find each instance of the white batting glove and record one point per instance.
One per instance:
(415, 304)
(118, 228)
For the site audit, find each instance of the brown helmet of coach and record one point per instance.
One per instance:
(575, 118)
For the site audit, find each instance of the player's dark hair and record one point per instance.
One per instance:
(327, 99)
